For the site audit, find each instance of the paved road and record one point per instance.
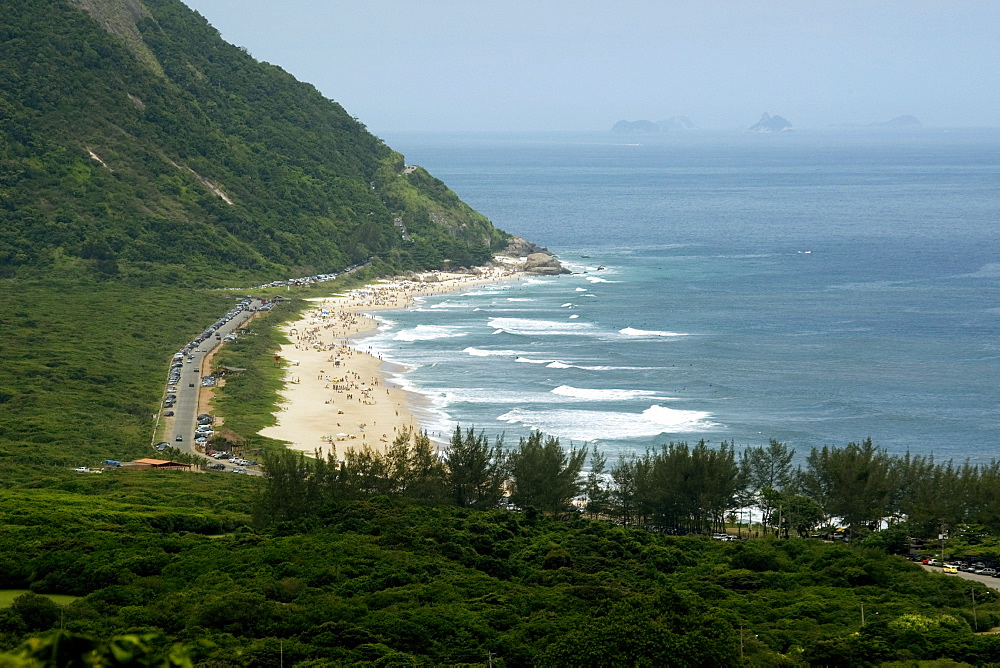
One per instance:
(186, 406)
(991, 582)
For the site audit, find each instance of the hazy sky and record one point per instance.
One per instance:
(402, 65)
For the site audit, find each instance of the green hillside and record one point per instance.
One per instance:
(135, 143)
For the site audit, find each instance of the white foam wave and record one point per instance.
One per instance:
(559, 365)
(581, 289)
(598, 279)
(586, 394)
(447, 397)
(631, 331)
(528, 360)
(527, 327)
(566, 305)
(573, 317)
(591, 425)
(618, 368)
(451, 304)
(480, 352)
(428, 333)
(519, 299)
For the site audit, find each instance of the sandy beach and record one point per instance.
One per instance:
(336, 394)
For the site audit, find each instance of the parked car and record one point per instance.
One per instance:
(168, 414)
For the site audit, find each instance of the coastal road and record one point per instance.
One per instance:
(186, 406)
(991, 582)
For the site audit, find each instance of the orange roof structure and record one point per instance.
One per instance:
(160, 464)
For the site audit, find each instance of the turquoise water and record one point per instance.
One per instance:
(814, 288)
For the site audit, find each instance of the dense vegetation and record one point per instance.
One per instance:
(162, 154)
(393, 583)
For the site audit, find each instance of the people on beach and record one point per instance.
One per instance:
(347, 368)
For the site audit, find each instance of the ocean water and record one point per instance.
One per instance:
(817, 288)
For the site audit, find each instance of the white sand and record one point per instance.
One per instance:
(336, 396)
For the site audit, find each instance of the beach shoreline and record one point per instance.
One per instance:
(337, 394)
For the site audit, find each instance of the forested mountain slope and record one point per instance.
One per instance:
(135, 143)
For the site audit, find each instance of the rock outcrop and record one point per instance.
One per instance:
(768, 123)
(635, 128)
(521, 247)
(544, 264)
(672, 124)
(537, 260)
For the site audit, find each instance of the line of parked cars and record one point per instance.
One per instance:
(204, 431)
(239, 461)
(184, 355)
(306, 280)
(964, 566)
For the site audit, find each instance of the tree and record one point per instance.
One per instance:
(543, 475)
(61, 648)
(767, 468)
(288, 492)
(427, 480)
(686, 487)
(623, 492)
(475, 472)
(855, 483)
(596, 488)
(793, 512)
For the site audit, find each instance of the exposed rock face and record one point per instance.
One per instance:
(538, 260)
(520, 247)
(543, 263)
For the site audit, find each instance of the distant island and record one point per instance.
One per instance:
(904, 121)
(768, 123)
(672, 124)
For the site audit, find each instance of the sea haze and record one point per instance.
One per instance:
(814, 288)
